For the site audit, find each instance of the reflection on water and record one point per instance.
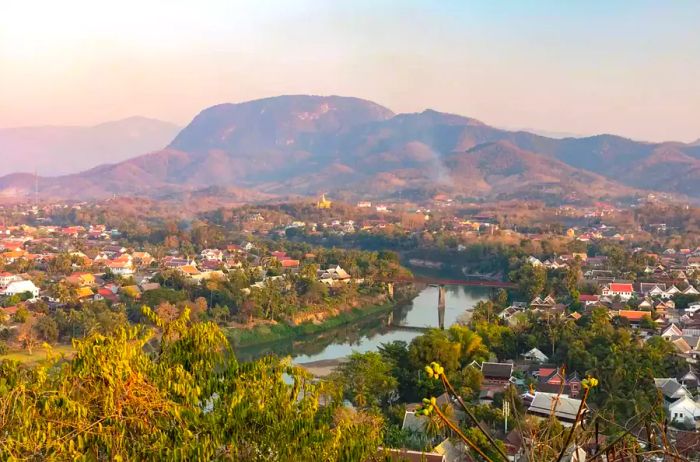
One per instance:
(371, 332)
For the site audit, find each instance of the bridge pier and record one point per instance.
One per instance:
(441, 306)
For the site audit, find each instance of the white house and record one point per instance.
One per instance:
(535, 355)
(684, 411)
(623, 290)
(6, 278)
(21, 287)
(121, 268)
(212, 254)
(534, 261)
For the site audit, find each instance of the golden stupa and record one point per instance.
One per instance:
(323, 203)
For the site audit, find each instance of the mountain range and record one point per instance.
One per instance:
(305, 145)
(60, 150)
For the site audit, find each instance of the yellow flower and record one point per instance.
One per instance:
(589, 382)
(437, 370)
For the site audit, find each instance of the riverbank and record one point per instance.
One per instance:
(269, 333)
(324, 367)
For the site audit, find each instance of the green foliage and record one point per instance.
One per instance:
(366, 380)
(21, 315)
(480, 440)
(531, 280)
(158, 296)
(188, 399)
(47, 329)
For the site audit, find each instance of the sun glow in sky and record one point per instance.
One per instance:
(626, 67)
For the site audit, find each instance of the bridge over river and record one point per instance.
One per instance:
(454, 282)
(441, 284)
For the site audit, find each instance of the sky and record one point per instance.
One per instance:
(629, 67)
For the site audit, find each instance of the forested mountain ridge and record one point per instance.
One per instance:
(301, 144)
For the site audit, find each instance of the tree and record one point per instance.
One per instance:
(501, 298)
(26, 335)
(469, 382)
(366, 380)
(435, 345)
(531, 280)
(471, 346)
(47, 328)
(21, 315)
(185, 399)
(199, 308)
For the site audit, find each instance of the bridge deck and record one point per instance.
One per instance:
(457, 282)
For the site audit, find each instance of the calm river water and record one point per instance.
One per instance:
(371, 332)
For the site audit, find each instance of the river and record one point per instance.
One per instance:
(371, 332)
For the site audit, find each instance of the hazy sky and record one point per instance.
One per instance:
(627, 67)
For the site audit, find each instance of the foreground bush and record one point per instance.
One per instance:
(174, 392)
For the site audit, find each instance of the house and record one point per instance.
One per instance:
(146, 286)
(106, 294)
(142, 258)
(508, 314)
(497, 376)
(679, 403)
(115, 249)
(453, 450)
(534, 261)
(671, 389)
(634, 317)
(288, 263)
(212, 254)
(81, 279)
(618, 289)
(406, 455)
(13, 256)
(554, 380)
(6, 278)
(416, 423)
(175, 262)
(588, 300)
(690, 380)
(120, 268)
(333, 275)
(652, 289)
(670, 292)
(684, 412)
(210, 265)
(189, 270)
(539, 303)
(82, 293)
(672, 331)
(544, 405)
(21, 287)
(536, 356)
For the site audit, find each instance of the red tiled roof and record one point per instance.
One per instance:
(633, 315)
(10, 310)
(621, 287)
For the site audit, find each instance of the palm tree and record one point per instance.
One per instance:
(435, 427)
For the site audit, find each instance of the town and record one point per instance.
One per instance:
(267, 273)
